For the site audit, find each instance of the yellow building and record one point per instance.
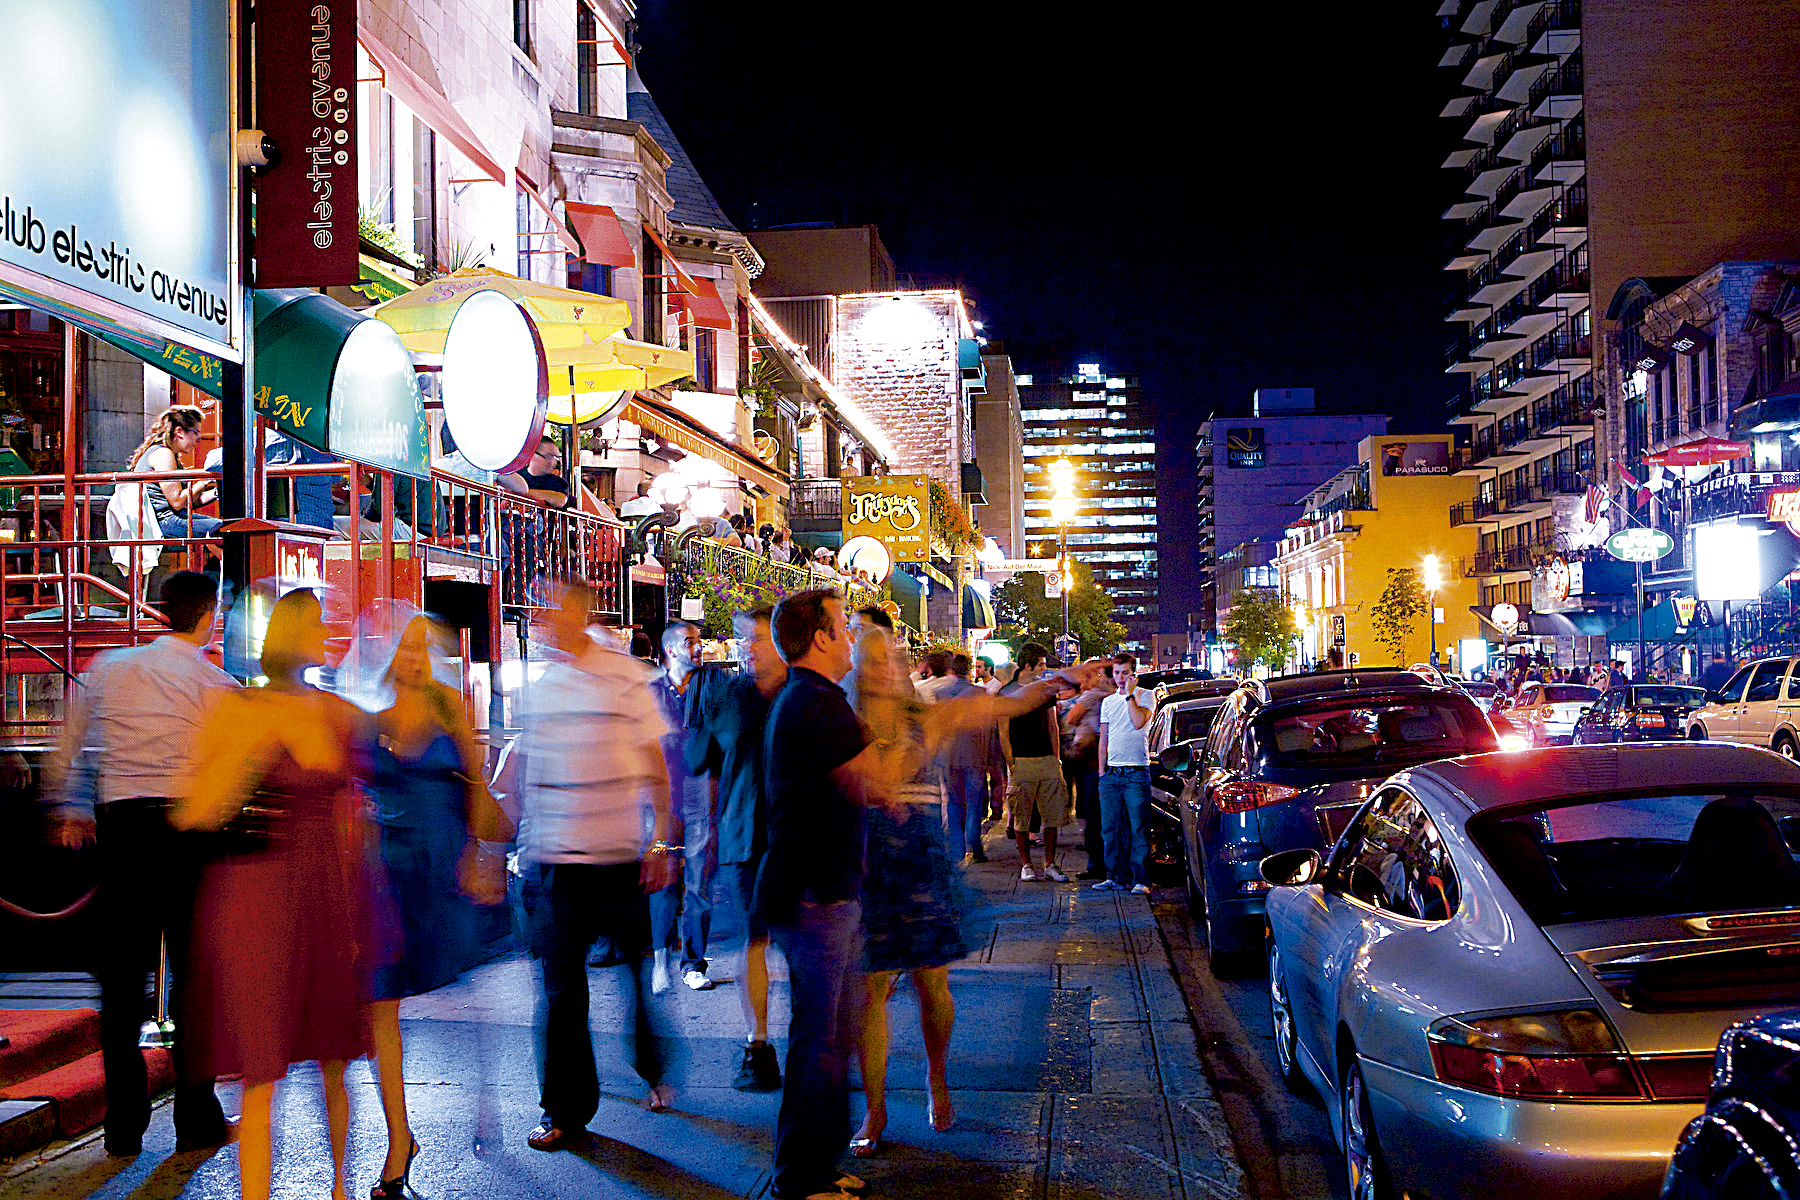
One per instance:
(1392, 509)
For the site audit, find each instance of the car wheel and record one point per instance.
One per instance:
(1696, 733)
(1196, 895)
(1784, 746)
(1281, 1017)
(1364, 1172)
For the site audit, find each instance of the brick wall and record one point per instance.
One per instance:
(896, 356)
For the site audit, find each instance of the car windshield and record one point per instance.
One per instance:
(1647, 855)
(1563, 693)
(1482, 690)
(1668, 695)
(1193, 723)
(1386, 731)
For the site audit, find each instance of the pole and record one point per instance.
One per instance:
(1062, 541)
(1431, 620)
(1638, 667)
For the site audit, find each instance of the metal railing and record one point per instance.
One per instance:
(691, 561)
(820, 500)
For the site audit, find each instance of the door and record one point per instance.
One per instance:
(1722, 722)
(1595, 725)
(1787, 709)
(1756, 715)
(1530, 712)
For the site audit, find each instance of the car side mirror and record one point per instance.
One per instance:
(1585, 711)
(1178, 758)
(1291, 868)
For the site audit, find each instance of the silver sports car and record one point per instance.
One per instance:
(1511, 970)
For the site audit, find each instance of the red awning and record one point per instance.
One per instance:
(603, 239)
(557, 228)
(430, 105)
(707, 309)
(682, 279)
(1703, 453)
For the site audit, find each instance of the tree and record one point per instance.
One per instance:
(1026, 615)
(1395, 616)
(1260, 626)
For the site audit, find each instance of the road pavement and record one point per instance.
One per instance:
(1075, 1072)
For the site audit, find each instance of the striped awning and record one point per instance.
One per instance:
(682, 430)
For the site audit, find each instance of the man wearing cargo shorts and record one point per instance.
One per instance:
(1031, 745)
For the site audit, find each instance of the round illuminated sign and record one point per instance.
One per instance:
(1638, 544)
(868, 554)
(1506, 618)
(495, 382)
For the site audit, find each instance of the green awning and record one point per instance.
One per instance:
(339, 382)
(910, 596)
(977, 612)
(1660, 625)
(381, 282)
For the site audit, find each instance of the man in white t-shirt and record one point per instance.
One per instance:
(1125, 780)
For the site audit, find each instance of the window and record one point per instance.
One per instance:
(1329, 734)
(397, 178)
(587, 62)
(1734, 687)
(591, 277)
(706, 360)
(653, 291)
(1766, 683)
(1393, 858)
(522, 25)
(522, 225)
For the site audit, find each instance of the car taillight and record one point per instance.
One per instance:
(1563, 1055)
(1245, 795)
(1651, 720)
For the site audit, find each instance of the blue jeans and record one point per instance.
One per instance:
(965, 803)
(823, 947)
(1125, 822)
(175, 525)
(691, 900)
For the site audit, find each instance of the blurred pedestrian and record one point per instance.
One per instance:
(1035, 785)
(681, 917)
(962, 760)
(135, 718)
(1081, 757)
(432, 811)
(591, 778)
(821, 770)
(730, 744)
(284, 963)
(1716, 674)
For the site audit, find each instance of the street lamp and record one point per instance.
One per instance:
(1428, 575)
(1062, 511)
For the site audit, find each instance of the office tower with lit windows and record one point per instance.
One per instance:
(1102, 425)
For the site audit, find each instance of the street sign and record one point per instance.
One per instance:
(1053, 586)
(1015, 565)
(1639, 544)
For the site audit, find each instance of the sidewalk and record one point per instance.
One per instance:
(1073, 1069)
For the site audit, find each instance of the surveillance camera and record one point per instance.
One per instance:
(256, 150)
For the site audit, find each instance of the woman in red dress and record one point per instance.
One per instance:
(282, 938)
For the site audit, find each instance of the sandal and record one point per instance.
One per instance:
(661, 1098)
(546, 1137)
(867, 1147)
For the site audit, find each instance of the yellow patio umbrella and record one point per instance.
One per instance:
(590, 362)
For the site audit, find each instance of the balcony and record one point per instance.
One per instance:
(1505, 560)
(817, 506)
(1562, 416)
(1474, 512)
(1741, 493)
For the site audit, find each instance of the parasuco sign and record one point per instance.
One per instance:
(1639, 544)
(893, 509)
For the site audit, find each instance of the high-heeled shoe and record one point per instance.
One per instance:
(395, 1189)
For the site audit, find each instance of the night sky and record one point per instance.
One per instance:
(1233, 197)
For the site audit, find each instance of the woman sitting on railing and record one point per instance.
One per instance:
(175, 435)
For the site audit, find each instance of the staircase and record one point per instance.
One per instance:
(51, 1081)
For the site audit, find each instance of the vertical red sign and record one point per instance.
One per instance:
(306, 103)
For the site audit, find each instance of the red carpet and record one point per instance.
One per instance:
(55, 1056)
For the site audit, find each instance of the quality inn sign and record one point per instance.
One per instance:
(893, 509)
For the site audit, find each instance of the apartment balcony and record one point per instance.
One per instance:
(817, 506)
(1504, 561)
(1474, 512)
(1512, 21)
(1555, 29)
(1562, 417)
(1740, 493)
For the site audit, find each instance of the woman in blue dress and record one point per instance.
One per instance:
(431, 810)
(910, 899)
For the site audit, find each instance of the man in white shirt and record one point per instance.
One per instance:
(588, 765)
(121, 760)
(1125, 780)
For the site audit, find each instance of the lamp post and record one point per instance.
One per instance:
(1428, 575)
(1062, 511)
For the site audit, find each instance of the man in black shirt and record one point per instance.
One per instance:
(820, 770)
(729, 744)
(539, 478)
(1031, 744)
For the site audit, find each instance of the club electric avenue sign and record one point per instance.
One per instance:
(1639, 545)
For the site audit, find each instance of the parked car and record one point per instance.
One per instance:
(1187, 689)
(1746, 1145)
(1286, 763)
(1487, 695)
(1758, 706)
(1642, 712)
(1186, 720)
(1546, 712)
(1513, 968)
